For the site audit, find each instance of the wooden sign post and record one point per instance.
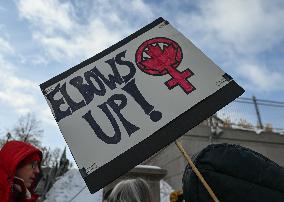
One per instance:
(196, 171)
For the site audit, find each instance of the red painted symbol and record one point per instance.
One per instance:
(160, 56)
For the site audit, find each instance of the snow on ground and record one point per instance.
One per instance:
(68, 186)
(72, 183)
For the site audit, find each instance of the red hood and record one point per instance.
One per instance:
(12, 153)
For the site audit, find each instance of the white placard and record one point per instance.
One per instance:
(117, 99)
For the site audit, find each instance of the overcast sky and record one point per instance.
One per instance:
(42, 38)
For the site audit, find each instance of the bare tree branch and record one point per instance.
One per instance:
(28, 129)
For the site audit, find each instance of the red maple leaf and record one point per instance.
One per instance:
(160, 59)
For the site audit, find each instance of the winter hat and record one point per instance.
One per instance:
(29, 159)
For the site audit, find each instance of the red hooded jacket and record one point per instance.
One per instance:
(11, 154)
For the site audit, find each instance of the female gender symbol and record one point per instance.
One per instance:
(155, 60)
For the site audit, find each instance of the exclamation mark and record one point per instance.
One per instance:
(132, 90)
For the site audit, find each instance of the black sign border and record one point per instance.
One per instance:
(161, 138)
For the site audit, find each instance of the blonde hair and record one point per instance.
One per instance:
(131, 190)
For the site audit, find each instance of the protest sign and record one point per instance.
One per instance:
(126, 103)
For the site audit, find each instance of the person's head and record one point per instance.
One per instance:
(131, 190)
(29, 168)
(21, 159)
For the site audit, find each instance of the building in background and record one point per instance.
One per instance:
(214, 131)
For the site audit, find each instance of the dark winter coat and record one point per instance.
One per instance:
(11, 154)
(235, 174)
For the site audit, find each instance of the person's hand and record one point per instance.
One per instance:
(19, 188)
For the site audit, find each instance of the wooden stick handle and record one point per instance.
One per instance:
(196, 171)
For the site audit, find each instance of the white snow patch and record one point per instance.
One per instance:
(253, 129)
(68, 186)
